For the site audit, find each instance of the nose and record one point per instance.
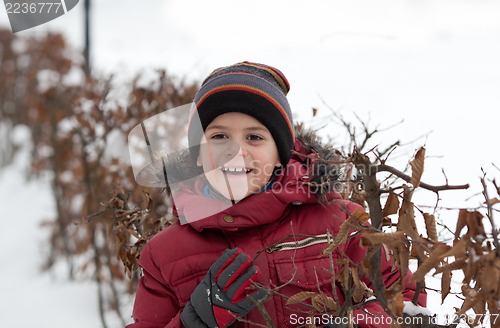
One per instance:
(236, 149)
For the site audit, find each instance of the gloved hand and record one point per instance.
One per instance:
(223, 289)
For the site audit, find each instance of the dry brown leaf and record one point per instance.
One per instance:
(417, 167)
(479, 307)
(300, 297)
(348, 225)
(461, 222)
(493, 308)
(470, 295)
(475, 225)
(327, 301)
(420, 247)
(403, 260)
(494, 201)
(317, 306)
(361, 216)
(445, 285)
(361, 293)
(392, 239)
(391, 205)
(396, 303)
(406, 220)
(431, 262)
(473, 221)
(458, 250)
(490, 276)
(456, 265)
(413, 251)
(430, 226)
(340, 238)
(386, 221)
(343, 272)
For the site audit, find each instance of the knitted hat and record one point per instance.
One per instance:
(249, 88)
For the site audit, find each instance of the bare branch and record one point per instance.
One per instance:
(407, 178)
(490, 214)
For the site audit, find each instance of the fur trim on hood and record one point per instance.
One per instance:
(324, 163)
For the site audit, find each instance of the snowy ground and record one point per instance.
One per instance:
(30, 297)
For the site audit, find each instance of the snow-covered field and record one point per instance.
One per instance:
(30, 297)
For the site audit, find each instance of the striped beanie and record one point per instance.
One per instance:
(249, 88)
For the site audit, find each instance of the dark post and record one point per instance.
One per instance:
(86, 51)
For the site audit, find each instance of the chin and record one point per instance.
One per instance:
(236, 195)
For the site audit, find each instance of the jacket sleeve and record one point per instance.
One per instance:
(155, 304)
(390, 276)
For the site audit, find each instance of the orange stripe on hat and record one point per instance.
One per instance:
(242, 87)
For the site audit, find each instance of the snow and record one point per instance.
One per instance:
(31, 297)
(413, 310)
(218, 298)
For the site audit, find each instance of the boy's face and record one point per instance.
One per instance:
(238, 155)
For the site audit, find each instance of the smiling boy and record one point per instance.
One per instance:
(270, 226)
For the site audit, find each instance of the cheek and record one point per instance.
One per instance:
(266, 167)
(207, 159)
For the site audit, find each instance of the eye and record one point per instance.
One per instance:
(218, 136)
(255, 137)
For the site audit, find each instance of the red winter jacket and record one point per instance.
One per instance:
(176, 259)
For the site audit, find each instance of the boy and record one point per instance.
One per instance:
(253, 195)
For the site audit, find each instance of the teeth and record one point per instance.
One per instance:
(236, 170)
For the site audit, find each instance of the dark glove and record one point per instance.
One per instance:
(223, 289)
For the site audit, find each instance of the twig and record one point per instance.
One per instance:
(373, 199)
(407, 178)
(262, 310)
(496, 186)
(348, 291)
(490, 215)
(88, 218)
(389, 149)
(439, 291)
(420, 285)
(332, 271)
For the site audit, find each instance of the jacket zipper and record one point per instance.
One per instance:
(309, 241)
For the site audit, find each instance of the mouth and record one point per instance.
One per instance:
(236, 170)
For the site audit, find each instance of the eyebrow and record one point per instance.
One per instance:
(222, 127)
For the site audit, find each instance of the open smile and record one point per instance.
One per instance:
(236, 170)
